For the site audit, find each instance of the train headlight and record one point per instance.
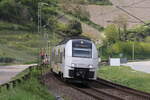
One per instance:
(73, 65)
(90, 66)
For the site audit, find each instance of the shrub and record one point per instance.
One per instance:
(141, 49)
(6, 60)
(147, 39)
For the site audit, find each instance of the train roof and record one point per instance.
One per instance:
(71, 38)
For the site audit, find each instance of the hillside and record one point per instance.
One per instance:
(105, 15)
(19, 40)
(18, 45)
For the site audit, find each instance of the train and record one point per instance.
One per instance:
(75, 59)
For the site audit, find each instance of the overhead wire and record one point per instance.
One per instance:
(132, 15)
(134, 3)
(139, 7)
(112, 11)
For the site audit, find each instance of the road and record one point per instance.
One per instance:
(143, 66)
(8, 72)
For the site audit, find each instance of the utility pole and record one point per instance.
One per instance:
(45, 35)
(40, 4)
(133, 51)
(39, 17)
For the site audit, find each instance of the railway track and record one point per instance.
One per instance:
(97, 94)
(132, 92)
(100, 90)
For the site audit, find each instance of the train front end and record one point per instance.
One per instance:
(81, 60)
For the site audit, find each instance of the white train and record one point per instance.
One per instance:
(76, 59)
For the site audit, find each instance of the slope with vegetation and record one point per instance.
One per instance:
(78, 10)
(95, 2)
(20, 42)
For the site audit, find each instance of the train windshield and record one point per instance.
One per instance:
(82, 48)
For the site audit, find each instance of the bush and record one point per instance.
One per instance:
(6, 60)
(147, 39)
(141, 50)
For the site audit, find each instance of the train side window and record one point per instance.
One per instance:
(54, 56)
(64, 53)
(61, 56)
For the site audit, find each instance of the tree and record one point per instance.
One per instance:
(122, 22)
(111, 34)
(74, 28)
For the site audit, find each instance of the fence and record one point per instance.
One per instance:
(14, 83)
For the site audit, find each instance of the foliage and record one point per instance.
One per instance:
(112, 34)
(100, 2)
(80, 13)
(139, 33)
(27, 90)
(147, 39)
(9, 10)
(6, 60)
(23, 11)
(126, 76)
(118, 40)
(141, 50)
(97, 2)
(74, 28)
(15, 27)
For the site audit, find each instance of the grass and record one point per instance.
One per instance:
(27, 90)
(14, 27)
(100, 2)
(19, 46)
(126, 76)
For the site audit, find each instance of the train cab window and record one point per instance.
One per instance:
(82, 48)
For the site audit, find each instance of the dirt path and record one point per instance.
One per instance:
(7, 72)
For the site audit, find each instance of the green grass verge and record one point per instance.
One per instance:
(27, 90)
(126, 76)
